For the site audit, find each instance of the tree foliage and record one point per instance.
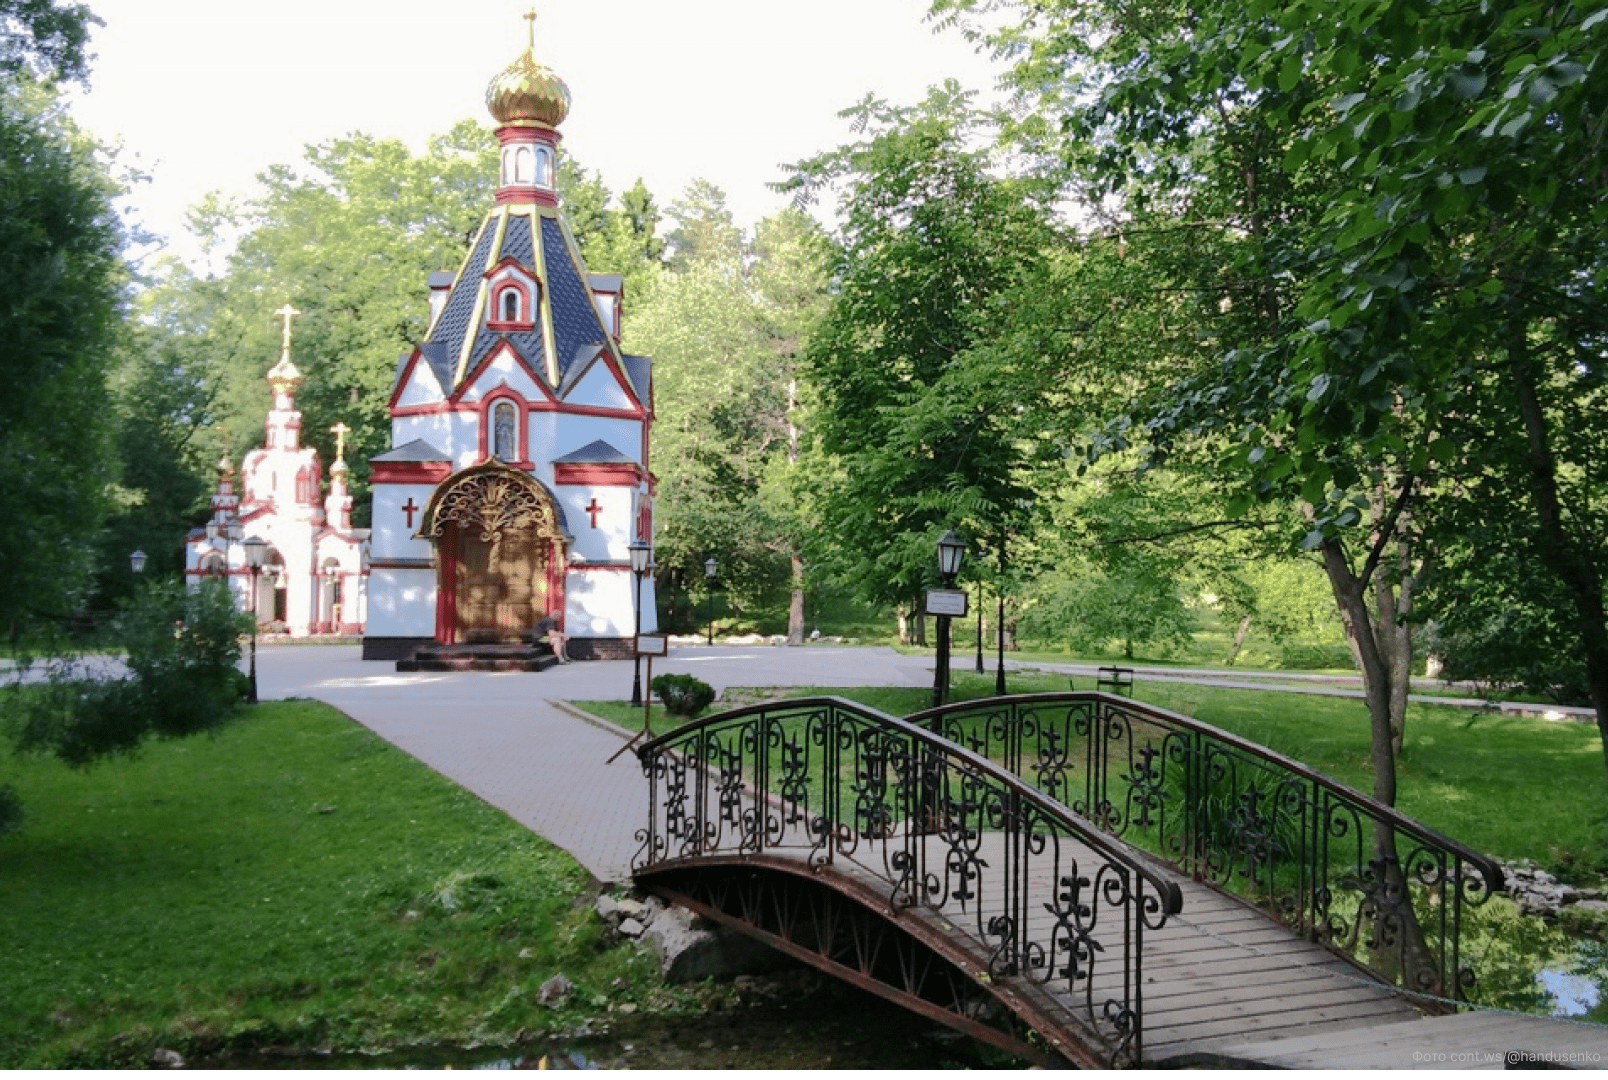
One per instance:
(725, 324)
(60, 243)
(915, 425)
(1403, 205)
(45, 39)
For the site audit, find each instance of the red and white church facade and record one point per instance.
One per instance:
(314, 576)
(518, 475)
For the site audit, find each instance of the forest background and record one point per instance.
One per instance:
(1275, 322)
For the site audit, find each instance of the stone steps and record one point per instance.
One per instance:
(479, 658)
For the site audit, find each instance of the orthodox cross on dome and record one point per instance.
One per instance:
(288, 313)
(594, 509)
(340, 431)
(530, 17)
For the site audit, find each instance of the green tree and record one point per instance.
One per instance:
(44, 39)
(725, 323)
(915, 422)
(60, 244)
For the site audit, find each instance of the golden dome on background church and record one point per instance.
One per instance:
(527, 93)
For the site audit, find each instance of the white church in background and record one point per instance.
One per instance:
(314, 576)
(518, 476)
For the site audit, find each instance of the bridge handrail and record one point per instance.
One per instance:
(1086, 831)
(1324, 809)
(837, 780)
(1376, 809)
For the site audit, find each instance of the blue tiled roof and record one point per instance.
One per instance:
(517, 242)
(417, 450)
(575, 319)
(597, 452)
(454, 321)
(439, 357)
(639, 369)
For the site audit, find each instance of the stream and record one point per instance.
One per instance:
(826, 1025)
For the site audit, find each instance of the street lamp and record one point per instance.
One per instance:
(641, 553)
(137, 561)
(709, 584)
(951, 546)
(256, 553)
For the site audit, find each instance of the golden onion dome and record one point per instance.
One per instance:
(527, 93)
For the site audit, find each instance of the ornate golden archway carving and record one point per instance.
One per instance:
(490, 499)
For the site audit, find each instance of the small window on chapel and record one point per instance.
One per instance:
(544, 166)
(510, 305)
(504, 442)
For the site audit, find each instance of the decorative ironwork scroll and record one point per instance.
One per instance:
(1054, 911)
(1333, 863)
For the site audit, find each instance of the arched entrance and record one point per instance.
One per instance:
(499, 546)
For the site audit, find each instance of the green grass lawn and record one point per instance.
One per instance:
(291, 881)
(1512, 787)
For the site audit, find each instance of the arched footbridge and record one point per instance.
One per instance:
(1083, 879)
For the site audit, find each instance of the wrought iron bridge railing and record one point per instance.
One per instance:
(1320, 857)
(1055, 904)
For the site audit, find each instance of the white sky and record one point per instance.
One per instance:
(204, 94)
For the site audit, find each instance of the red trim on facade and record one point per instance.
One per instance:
(521, 418)
(606, 475)
(527, 195)
(403, 380)
(603, 566)
(533, 406)
(447, 588)
(512, 133)
(555, 583)
(409, 472)
(455, 402)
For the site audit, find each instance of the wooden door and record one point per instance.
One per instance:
(501, 585)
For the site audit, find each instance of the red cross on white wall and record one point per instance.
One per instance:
(594, 509)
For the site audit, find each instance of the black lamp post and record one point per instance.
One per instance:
(979, 628)
(256, 553)
(709, 585)
(640, 554)
(951, 546)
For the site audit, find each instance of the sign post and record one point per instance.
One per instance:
(649, 646)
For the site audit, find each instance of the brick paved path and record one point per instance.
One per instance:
(500, 736)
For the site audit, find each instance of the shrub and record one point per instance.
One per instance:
(683, 695)
(183, 648)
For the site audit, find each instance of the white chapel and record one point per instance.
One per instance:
(314, 577)
(517, 478)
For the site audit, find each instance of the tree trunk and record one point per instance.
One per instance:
(795, 606)
(1395, 940)
(1239, 641)
(1571, 560)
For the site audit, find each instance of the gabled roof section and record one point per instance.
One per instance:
(460, 311)
(568, 335)
(417, 450)
(575, 318)
(639, 369)
(597, 452)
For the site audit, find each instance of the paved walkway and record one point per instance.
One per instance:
(1293, 682)
(504, 737)
(501, 736)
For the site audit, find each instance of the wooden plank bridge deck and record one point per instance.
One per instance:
(1224, 983)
